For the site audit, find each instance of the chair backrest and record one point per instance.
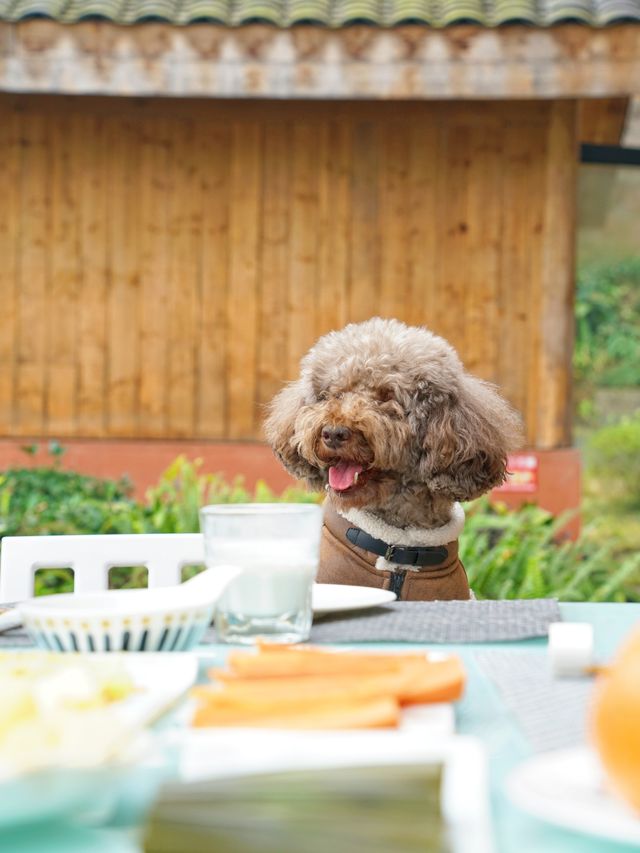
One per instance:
(91, 557)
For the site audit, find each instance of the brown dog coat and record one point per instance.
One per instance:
(342, 562)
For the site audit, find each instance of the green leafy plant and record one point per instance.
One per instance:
(520, 554)
(607, 344)
(508, 554)
(173, 505)
(47, 500)
(613, 458)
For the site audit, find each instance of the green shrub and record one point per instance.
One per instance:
(517, 554)
(613, 458)
(508, 554)
(172, 506)
(607, 344)
(48, 500)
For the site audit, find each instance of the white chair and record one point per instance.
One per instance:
(91, 557)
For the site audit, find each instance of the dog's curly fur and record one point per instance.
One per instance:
(426, 433)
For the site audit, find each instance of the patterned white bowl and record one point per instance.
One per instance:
(121, 620)
(167, 619)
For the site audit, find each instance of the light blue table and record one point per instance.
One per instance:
(480, 713)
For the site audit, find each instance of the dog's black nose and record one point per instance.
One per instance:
(334, 436)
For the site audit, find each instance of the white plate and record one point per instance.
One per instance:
(565, 787)
(231, 751)
(335, 597)
(161, 680)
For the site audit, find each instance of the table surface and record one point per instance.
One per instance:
(480, 713)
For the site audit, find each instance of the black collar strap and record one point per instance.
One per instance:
(432, 555)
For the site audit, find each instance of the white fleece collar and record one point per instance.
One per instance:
(379, 529)
(406, 536)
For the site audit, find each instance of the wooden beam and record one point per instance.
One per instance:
(601, 121)
(309, 62)
(556, 287)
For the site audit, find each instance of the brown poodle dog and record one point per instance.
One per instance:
(385, 419)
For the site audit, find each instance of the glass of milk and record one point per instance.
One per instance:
(277, 546)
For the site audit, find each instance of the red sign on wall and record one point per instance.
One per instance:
(522, 474)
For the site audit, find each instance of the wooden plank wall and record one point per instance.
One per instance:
(165, 263)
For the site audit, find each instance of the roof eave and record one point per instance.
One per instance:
(309, 62)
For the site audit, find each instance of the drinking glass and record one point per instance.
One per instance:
(277, 547)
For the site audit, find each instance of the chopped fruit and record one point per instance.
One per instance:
(306, 687)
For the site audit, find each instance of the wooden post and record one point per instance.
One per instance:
(557, 272)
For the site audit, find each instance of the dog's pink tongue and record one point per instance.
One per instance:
(343, 475)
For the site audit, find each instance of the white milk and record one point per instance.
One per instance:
(277, 577)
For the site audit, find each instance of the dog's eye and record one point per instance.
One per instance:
(322, 396)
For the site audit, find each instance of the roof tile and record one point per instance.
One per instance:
(330, 13)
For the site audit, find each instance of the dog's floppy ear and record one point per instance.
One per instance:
(279, 429)
(466, 441)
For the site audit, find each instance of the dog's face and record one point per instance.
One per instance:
(357, 438)
(381, 406)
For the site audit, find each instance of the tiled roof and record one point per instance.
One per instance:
(331, 13)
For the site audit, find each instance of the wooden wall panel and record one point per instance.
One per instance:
(303, 245)
(334, 219)
(154, 277)
(364, 225)
(213, 143)
(167, 263)
(91, 156)
(10, 181)
(273, 320)
(245, 233)
(123, 136)
(61, 364)
(422, 240)
(184, 275)
(34, 247)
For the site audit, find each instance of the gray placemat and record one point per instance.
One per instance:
(437, 622)
(551, 711)
(417, 622)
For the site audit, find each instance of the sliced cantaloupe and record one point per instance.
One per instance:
(379, 712)
(312, 688)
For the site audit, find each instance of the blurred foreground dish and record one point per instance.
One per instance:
(55, 711)
(304, 687)
(373, 809)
